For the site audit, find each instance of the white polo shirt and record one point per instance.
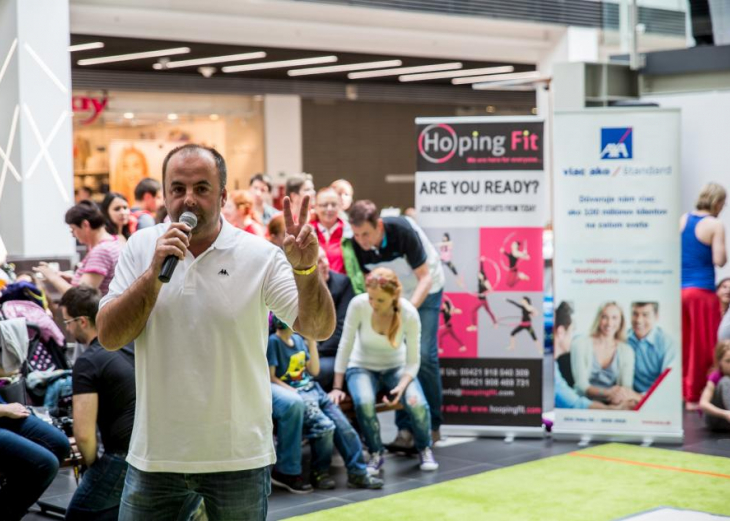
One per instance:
(203, 392)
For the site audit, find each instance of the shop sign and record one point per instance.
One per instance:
(89, 105)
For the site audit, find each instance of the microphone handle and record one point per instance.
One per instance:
(168, 267)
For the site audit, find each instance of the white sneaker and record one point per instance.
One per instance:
(375, 465)
(428, 462)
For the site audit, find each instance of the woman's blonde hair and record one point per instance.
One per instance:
(387, 280)
(243, 199)
(723, 346)
(621, 333)
(711, 196)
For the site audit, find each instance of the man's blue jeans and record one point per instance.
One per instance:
(364, 386)
(30, 454)
(429, 374)
(288, 412)
(98, 496)
(165, 496)
(324, 423)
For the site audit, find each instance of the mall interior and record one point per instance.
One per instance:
(482, 249)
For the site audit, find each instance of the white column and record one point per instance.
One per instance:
(577, 44)
(36, 163)
(283, 136)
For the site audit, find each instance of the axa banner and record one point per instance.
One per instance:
(617, 321)
(480, 200)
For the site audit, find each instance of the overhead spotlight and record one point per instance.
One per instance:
(172, 117)
(207, 71)
(214, 117)
(129, 115)
(161, 64)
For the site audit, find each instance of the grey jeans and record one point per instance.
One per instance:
(720, 399)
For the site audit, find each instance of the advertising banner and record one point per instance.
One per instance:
(617, 320)
(480, 200)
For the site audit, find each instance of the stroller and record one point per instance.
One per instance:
(32, 344)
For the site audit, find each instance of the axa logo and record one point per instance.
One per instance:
(617, 143)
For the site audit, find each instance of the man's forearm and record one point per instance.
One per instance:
(421, 292)
(124, 318)
(316, 317)
(87, 448)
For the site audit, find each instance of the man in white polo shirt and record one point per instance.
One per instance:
(203, 417)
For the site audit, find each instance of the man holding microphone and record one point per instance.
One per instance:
(203, 417)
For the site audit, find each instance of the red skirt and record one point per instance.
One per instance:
(700, 321)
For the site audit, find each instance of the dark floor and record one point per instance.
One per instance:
(458, 457)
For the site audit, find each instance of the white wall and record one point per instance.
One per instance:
(283, 136)
(705, 152)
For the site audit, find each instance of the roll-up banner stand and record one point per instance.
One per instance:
(617, 266)
(480, 199)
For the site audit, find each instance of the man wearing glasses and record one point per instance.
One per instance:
(103, 395)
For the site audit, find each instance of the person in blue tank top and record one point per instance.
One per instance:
(703, 248)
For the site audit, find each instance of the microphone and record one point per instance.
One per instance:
(168, 267)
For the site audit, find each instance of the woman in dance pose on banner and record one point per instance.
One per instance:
(446, 252)
(448, 309)
(485, 288)
(528, 311)
(514, 255)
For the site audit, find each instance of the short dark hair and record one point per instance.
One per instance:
(294, 184)
(524, 297)
(563, 316)
(263, 178)
(655, 305)
(723, 281)
(85, 211)
(85, 189)
(146, 186)
(82, 301)
(364, 211)
(190, 148)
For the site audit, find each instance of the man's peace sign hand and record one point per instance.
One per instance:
(300, 242)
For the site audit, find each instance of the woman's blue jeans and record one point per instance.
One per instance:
(364, 386)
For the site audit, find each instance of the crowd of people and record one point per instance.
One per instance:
(203, 388)
(340, 304)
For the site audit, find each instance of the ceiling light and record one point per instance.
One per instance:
(214, 117)
(280, 64)
(213, 59)
(172, 117)
(345, 68)
(529, 75)
(129, 115)
(85, 46)
(457, 74)
(134, 56)
(405, 70)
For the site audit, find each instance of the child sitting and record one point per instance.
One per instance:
(715, 400)
(293, 366)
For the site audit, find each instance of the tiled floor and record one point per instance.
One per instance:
(456, 460)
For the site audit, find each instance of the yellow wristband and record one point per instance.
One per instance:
(305, 272)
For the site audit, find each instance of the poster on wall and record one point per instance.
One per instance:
(480, 200)
(617, 319)
(130, 161)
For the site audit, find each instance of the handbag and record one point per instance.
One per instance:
(14, 392)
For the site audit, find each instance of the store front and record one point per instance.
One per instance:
(121, 137)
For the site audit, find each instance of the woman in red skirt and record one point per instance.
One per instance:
(703, 248)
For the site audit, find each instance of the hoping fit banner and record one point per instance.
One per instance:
(479, 199)
(617, 326)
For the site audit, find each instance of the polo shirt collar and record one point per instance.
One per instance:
(649, 339)
(227, 237)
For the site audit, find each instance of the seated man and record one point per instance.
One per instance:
(654, 349)
(342, 293)
(103, 396)
(292, 366)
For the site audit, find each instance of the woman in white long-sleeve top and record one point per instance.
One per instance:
(380, 351)
(603, 363)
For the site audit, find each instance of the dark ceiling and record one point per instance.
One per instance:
(115, 46)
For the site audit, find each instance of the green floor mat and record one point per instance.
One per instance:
(601, 483)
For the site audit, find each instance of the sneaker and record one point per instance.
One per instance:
(403, 440)
(375, 465)
(428, 462)
(294, 484)
(322, 481)
(364, 481)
